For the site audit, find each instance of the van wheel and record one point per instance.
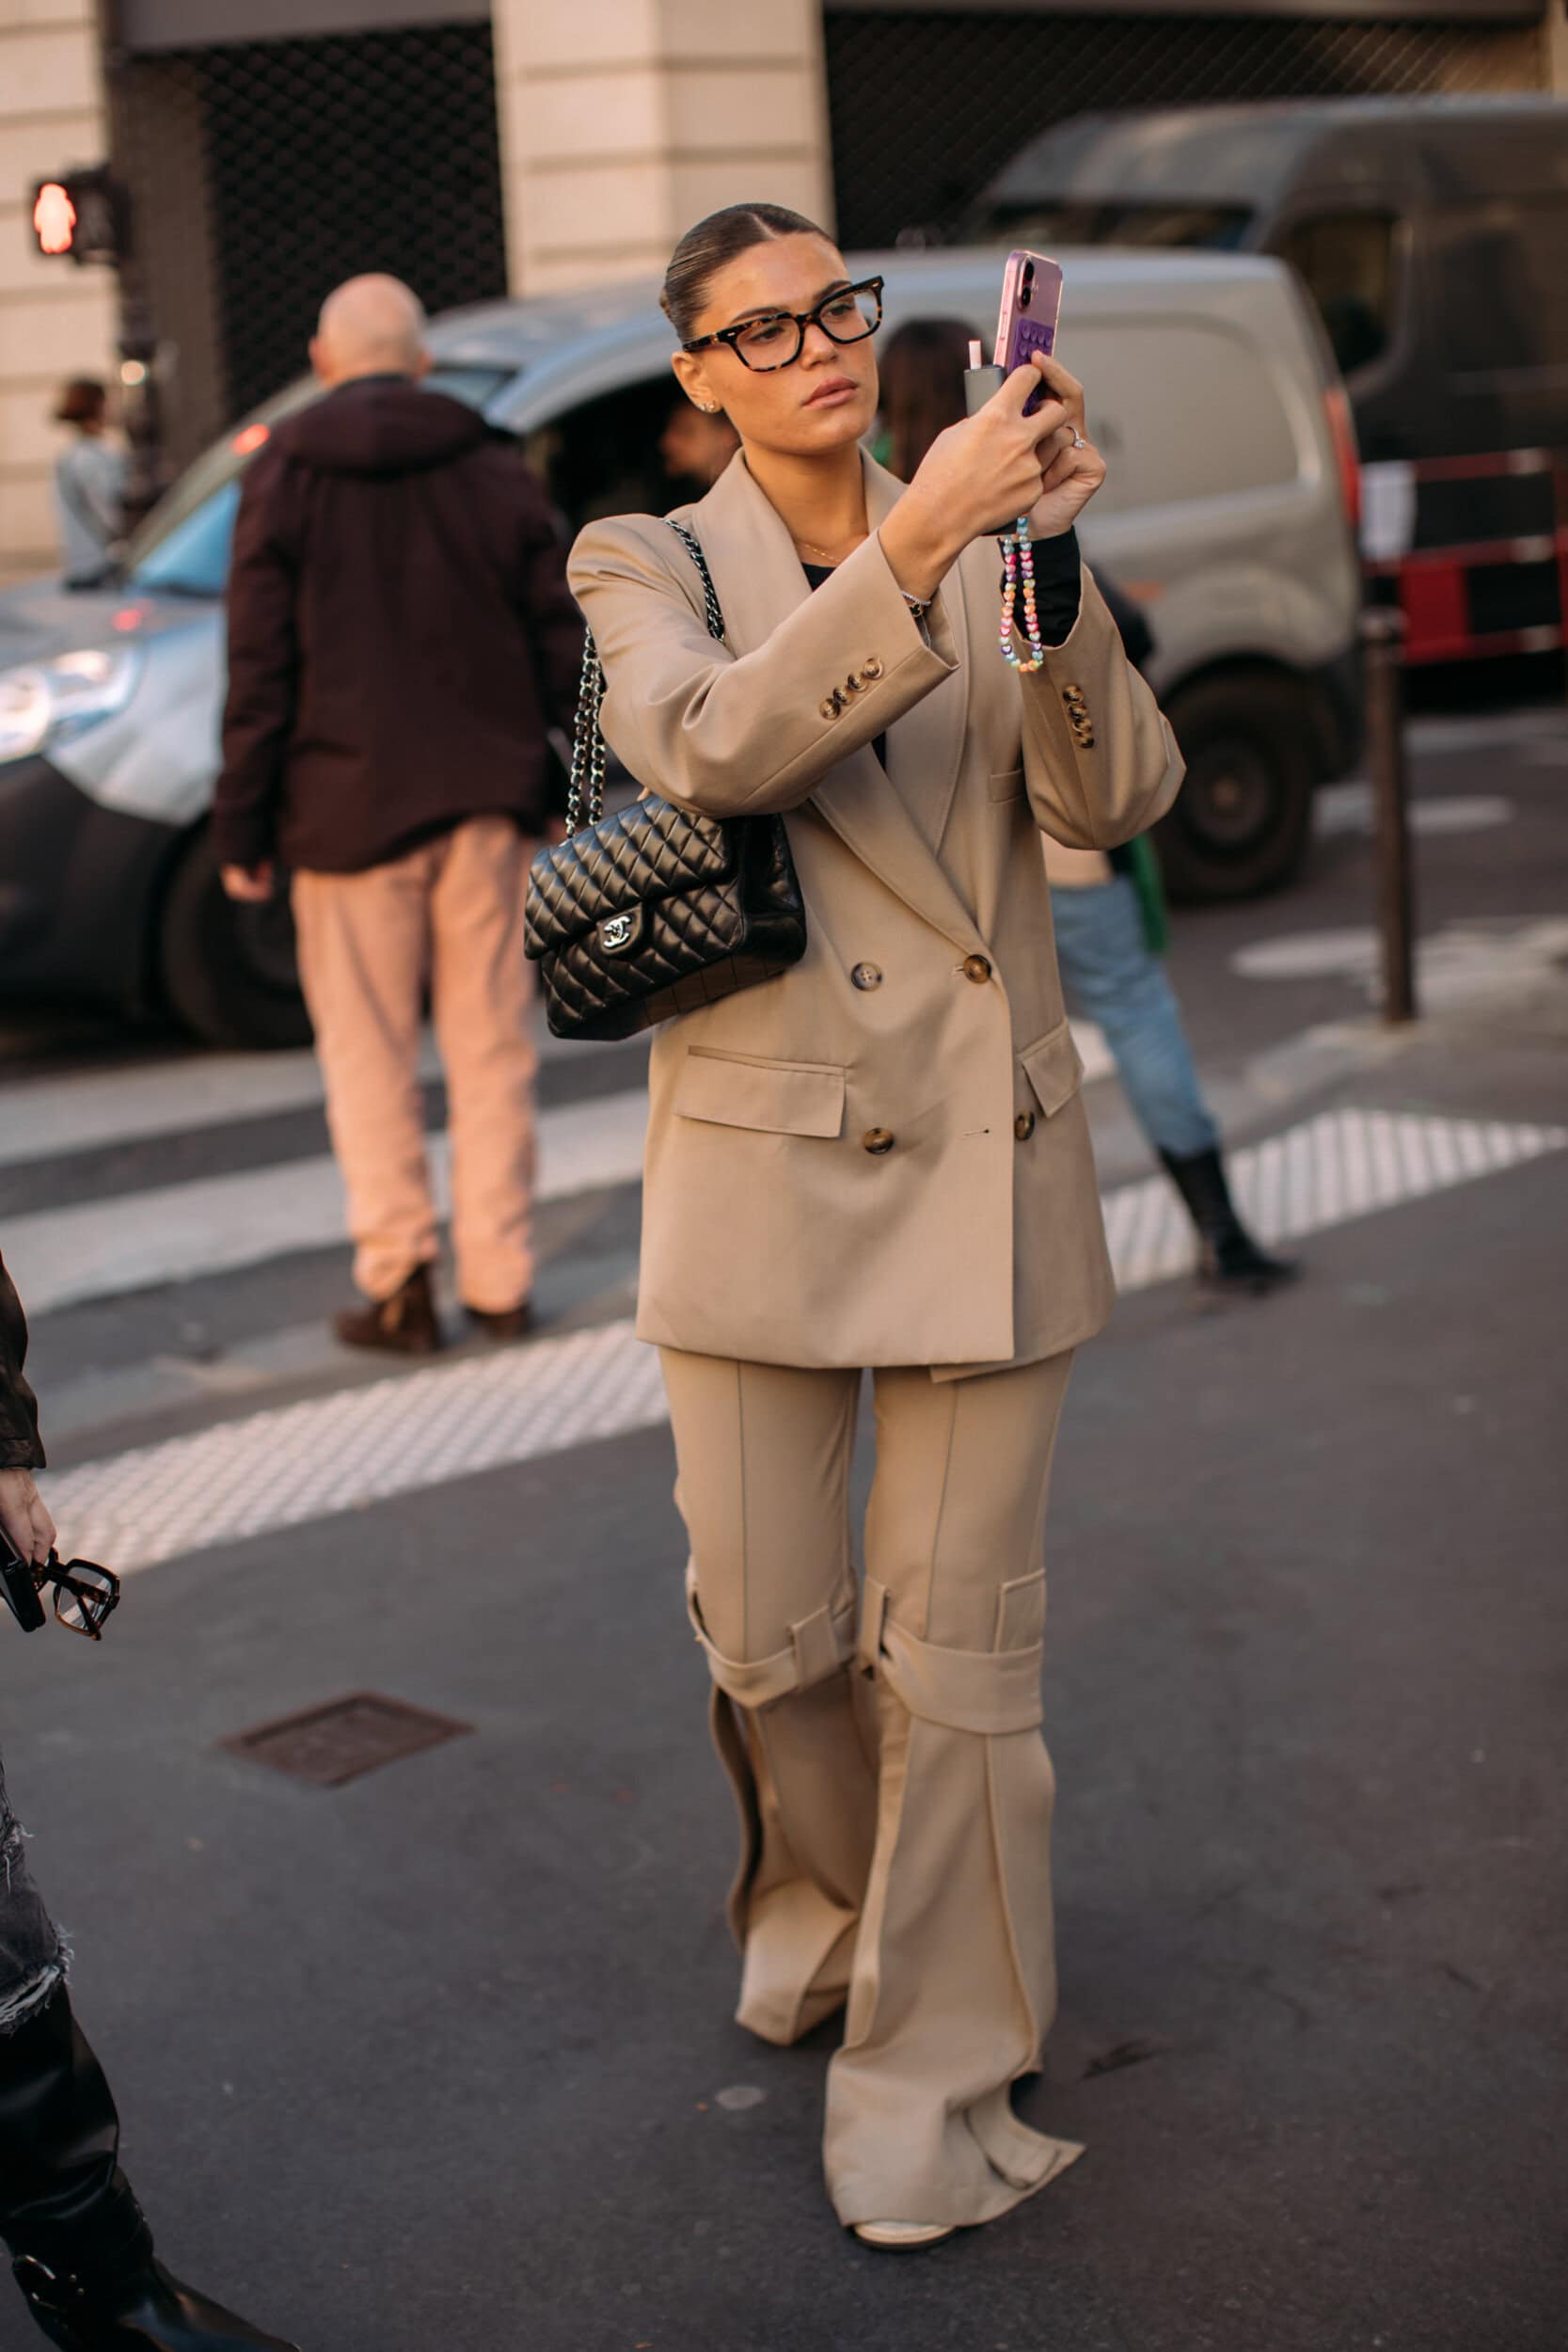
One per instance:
(228, 971)
(1242, 818)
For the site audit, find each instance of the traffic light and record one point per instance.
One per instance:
(81, 215)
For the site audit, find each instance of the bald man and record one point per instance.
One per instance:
(400, 637)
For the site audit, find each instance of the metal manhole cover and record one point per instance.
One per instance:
(349, 1736)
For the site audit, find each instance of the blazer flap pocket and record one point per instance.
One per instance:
(1052, 1068)
(783, 1098)
(1006, 784)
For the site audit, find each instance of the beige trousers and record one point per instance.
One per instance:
(894, 1790)
(447, 919)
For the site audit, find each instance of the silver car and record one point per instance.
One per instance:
(1228, 513)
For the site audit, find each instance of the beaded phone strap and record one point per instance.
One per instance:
(1018, 560)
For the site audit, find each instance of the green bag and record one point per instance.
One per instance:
(1144, 865)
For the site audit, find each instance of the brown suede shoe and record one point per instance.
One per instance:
(504, 1323)
(402, 1324)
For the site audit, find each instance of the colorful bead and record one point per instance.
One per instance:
(1018, 557)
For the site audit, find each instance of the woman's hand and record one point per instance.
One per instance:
(981, 475)
(1073, 468)
(24, 1517)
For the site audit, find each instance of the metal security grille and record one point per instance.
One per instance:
(268, 172)
(925, 106)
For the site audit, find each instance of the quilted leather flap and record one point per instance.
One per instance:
(647, 852)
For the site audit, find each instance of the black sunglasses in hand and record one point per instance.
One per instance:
(86, 1595)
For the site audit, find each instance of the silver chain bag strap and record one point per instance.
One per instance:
(651, 912)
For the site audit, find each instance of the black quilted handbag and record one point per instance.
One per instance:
(651, 912)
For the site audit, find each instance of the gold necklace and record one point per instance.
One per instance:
(809, 546)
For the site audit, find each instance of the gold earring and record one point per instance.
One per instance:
(709, 407)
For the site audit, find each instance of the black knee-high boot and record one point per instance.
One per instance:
(1229, 1259)
(83, 2253)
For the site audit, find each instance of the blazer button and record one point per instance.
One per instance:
(877, 1140)
(828, 709)
(1073, 694)
(868, 976)
(975, 968)
(1023, 1125)
(871, 669)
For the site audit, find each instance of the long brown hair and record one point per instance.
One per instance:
(922, 371)
(705, 249)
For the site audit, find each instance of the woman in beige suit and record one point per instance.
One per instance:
(879, 1161)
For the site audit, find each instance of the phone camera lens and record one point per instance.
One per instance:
(1024, 295)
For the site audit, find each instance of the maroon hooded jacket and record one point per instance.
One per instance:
(400, 634)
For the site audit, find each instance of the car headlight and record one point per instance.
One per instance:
(46, 701)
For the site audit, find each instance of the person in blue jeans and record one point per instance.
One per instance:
(1114, 976)
(1107, 910)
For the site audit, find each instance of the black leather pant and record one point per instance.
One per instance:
(32, 1954)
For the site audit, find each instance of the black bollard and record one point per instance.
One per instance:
(1381, 640)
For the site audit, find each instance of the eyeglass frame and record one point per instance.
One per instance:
(800, 320)
(97, 1601)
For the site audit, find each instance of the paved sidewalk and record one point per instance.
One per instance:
(437, 2062)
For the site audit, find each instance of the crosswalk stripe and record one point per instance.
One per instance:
(50, 1117)
(217, 1224)
(293, 1463)
(180, 1094)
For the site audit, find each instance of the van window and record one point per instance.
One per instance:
(1502, 273)
(1183, 409)
(1047, 221)
(1348, 263)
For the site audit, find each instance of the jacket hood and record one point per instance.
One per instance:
(381, 424)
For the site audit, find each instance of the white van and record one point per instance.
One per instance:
(1227, 513)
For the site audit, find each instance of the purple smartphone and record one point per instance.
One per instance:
(1031, 305)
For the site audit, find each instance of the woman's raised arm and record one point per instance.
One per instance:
(1100, 760)
(735, 736)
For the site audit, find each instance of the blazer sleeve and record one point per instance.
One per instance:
(733, 736)
(20, 1447)
(1100, 760)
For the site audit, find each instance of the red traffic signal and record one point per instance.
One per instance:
(54, 216)
(83, 214)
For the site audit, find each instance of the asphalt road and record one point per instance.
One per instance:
(440, 2058)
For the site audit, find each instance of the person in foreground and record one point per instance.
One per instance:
(878, 1160)
(82, 2251)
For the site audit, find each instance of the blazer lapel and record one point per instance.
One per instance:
(757, 574)
(925, 749)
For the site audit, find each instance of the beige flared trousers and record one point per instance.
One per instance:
(886, 1751)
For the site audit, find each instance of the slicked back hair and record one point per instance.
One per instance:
(703, 250)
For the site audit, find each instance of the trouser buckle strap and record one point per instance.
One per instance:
(989, 1691)
(819, 1646)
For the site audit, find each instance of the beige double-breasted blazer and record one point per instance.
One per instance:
(882, 1157)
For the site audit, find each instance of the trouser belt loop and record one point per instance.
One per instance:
(873, 1610)
(822, 1644)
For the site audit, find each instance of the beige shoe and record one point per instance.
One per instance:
(902, 2237)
